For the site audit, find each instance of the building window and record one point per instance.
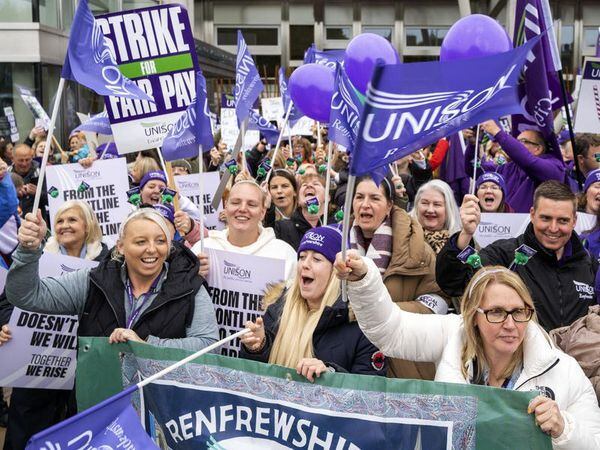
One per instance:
(590, 36)
(566, 45)
(301, 37)
(425, 37)
(252, 36)
(134, 4)
(16, 11)
(338, 33)
(103, 6)
(385, 32)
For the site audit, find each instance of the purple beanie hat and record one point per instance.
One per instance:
(592, 178)
(324, 240)
(153, 175)
(492, 177)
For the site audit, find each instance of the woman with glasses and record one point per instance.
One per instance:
(490, 190)
(496, 341)
(531, 162)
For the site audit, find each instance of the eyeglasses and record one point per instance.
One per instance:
(529, 143)
(491, 187)
(497, 315)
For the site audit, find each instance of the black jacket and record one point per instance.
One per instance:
(562, 291)
(291, 230)
(167, 317)
(337, 341)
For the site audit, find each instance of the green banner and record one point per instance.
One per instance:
(219, 402)
(156, 66)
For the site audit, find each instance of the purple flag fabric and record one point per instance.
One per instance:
(112, 423)
(598, 44)
(90, 61)
(541, 92)
(326, 57)
(295, 114)
(452, 169)
(346, 108)
(248, 84)
(433, 100)
(192, 129)
(97, 124)
(266, 128)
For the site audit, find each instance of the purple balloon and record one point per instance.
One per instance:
(362, 54)
(474, 36)
(311, 88)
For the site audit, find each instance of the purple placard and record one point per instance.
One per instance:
(155, 48)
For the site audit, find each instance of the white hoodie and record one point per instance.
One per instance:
(266, 245)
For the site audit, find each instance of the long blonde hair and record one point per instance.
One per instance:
(297, 324)
(471, 300)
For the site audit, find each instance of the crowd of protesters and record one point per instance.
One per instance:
(417, 307)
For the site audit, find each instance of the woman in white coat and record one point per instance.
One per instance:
(494, 342)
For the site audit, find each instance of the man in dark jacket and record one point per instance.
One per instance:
(29, 170)
(560, 276)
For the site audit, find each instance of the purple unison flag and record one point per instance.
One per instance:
(346, 109)
(598, 44)
(112, 423)
(266, 128)
(97, 124)
(540, 94)
(295, 114)
(90, 61)
(410, 106)
(192, 129)
(326, 57)
(248, 84)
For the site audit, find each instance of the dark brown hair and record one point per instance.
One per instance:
(554, 190)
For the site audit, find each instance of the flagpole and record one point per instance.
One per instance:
(40, 184)
(187, 359)
(472, 189)
(201, 206)
(285, 121)
(318, 135)
(563, 90)
(327, 182)
(169, 173)
(346, 228)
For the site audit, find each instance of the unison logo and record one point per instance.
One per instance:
(493, 228)
(445, 106)
(236, 271)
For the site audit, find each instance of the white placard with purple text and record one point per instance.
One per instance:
(42, 352)
(189, 186)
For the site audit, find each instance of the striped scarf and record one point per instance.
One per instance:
(380, 247)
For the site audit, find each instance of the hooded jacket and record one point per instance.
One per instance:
(523, 173)
(562, 290)
(337, 339)
(439, 339)
(266, 245)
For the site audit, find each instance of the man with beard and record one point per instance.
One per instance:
(560, 275)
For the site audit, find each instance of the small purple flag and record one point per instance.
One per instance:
(96, 124)
(433, 100)
(266, 128)
(112, 423)
(540, 94)
(192, 129)
(248, 84)
(598, 44)
(90, 61)
(295, 114)
(326, 57)
(346, 109)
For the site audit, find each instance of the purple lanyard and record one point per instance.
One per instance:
(135, 312)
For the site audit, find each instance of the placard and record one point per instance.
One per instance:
(12, 122)
(237, 284)
(104, 186)
(230, 131)
(43, 350)
(155, 48)
(587, 117)
(34, 106)
(189, 186)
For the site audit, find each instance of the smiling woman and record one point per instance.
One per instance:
(308, 327)
(77, 232)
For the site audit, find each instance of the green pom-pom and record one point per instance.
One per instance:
(261, 172)
(302, 171)
(478, 164)
(167, 198)
(322, 168)
(521, 259)
(474, 261)
(233, 169)
(339, 215)
(290, 161)
(135, 199)
(313, 209)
